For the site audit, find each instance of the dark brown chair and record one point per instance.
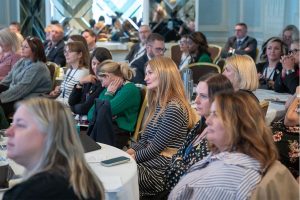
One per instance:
(54, 71)
(176, 54)
(215, 52)
(202, 68)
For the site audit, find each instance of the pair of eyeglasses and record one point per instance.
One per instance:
(293, 51)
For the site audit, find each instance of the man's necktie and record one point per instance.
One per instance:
(239, 44)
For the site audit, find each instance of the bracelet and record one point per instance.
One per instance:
(109, 93)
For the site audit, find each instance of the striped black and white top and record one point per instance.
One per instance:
(168, 130)
(222, 176)
(71, 78)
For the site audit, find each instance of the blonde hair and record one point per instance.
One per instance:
(79, 47)
(10, 38)
(63, 152)
(246, 74)
(245, 127)
(170, 87)
(119, 69)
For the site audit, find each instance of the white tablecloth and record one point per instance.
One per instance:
(120, 181)
(276, 110)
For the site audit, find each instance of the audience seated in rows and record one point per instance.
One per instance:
(43, 139)
(198, 48)
(89, 87)
(289, 79)
(54, 48)
(242, 73)
(286, 135)
(270, 66)
(289, 34)
(155, 46)
(9, 51)
(77, 58)
(139, 49)
(241, 151)
(195, 146)
(168, 121)
(240, 43)
(29, 77)
(114, 124)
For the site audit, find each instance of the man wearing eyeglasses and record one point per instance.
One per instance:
(289, 79)
(54, 48)
(240, 43)
(138, 50)
(155, 46)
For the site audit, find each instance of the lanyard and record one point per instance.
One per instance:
(68, 78)
(266, 73)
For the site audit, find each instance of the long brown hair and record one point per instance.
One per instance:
(170, 87)
(245, 127)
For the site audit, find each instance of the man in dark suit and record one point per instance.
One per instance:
(155, 46)
(138, 50)
(241, 43)
(54, 48)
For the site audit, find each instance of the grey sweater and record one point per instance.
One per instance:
(26, 79)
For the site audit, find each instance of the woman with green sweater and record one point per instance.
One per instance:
(198, 48)
(124, 98)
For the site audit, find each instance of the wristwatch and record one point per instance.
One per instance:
(289, 71)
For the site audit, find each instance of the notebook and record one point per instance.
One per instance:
(88, 143)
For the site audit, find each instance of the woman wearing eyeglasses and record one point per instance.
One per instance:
(77, 59)
(29, 76)
(289, 79)
(122, 100)
(185, 55)
(270, 67)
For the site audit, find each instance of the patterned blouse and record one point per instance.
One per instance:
(187, 155)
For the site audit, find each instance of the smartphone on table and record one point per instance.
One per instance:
(115, 161)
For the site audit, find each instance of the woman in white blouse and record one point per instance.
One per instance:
(242, 149)
(77, 59)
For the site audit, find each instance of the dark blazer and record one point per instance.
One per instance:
(81, 100)
(134, 50)
(262, 66)
(289, 83)
(248, 42)
(139, 66)
(56, 54)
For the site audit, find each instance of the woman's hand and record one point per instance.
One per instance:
(130, 151)
(88, 79)
(115, 85)
(288, 62)
(55, 92)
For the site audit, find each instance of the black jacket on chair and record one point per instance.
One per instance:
(101, 126)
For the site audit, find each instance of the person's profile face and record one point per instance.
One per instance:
(56, 34)
(156, 48)
(202, 99)
(95, 63)
(240, 31)
(151, 78)
(26, 141)
(216, 133)
(230, 73)
(26, 51)
(144, 32)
